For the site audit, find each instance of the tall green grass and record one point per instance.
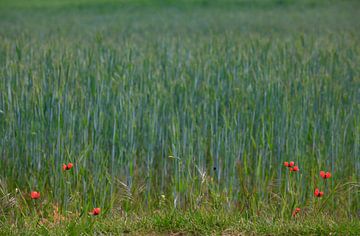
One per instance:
(199, 104)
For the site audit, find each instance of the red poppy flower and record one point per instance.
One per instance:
(318, 193)
(35, 195)
(291, 166)
(68, 166)
(297, 210)
(325, 175)
(95, 211)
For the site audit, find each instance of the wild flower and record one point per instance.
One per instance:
(324, 175)
(291, 166)
(68, 166)
(296, 211)
(318, 193)
(35, 195)
(96, 211)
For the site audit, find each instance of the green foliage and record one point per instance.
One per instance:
(195, 222)
(182, 109)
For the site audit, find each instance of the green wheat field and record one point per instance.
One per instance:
(178, 117)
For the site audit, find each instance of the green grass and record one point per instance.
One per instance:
(199, 101)
(194, 223)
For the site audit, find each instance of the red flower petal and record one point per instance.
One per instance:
(296, 168)
(291, 164)
(70, 165)
(96, 211)
(295, 212)
(318, 193)
(286, 164)
(35, 195)
(327, 175)
(322, 174)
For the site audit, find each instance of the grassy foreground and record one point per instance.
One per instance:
(178, 116)
(178, 223)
